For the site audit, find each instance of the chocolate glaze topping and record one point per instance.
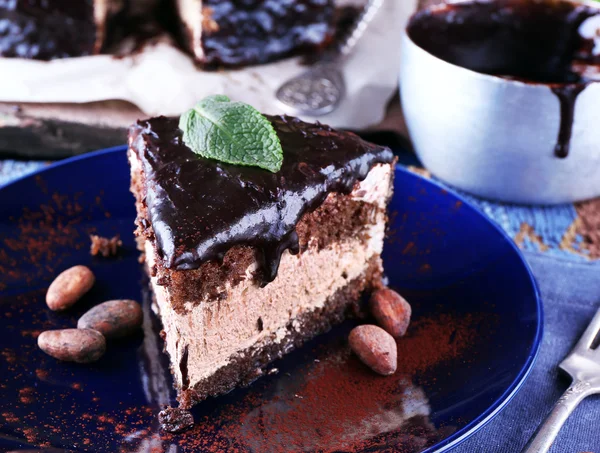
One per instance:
(200, 208)
(532, 41)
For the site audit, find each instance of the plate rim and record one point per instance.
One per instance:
(496, 407)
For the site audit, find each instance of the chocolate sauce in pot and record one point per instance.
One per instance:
(535, 42)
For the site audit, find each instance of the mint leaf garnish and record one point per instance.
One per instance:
(231, 132)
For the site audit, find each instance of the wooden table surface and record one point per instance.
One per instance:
(51, 131)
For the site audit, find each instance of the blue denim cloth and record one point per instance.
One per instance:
(13, 169)
(571, 296)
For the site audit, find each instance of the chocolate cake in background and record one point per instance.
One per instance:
(234, 32)
(214, 32)
(245, 264)
(44, 30)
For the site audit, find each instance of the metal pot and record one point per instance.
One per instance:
(495, 137)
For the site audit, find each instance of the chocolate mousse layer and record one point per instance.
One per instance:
(252, 363)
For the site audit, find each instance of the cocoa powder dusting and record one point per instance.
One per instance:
(339, 404)
(333, 403)
(43, 238)
(27, 395)
(105, 246)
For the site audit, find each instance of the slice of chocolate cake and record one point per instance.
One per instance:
(247, 264)
(48, 29)
(235, 33)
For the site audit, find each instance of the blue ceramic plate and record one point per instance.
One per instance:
(476, 330)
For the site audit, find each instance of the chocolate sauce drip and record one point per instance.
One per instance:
(200, 208)
(567, 96)
(535, 42)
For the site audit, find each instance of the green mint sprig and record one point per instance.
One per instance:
(231, 132)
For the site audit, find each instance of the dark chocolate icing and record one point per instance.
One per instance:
(532, 41)
(200, 208)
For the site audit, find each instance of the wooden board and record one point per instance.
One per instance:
(52, 131)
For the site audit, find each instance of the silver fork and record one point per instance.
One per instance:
(583, 365)
(319, 90)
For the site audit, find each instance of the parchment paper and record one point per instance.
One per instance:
(162, 80)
